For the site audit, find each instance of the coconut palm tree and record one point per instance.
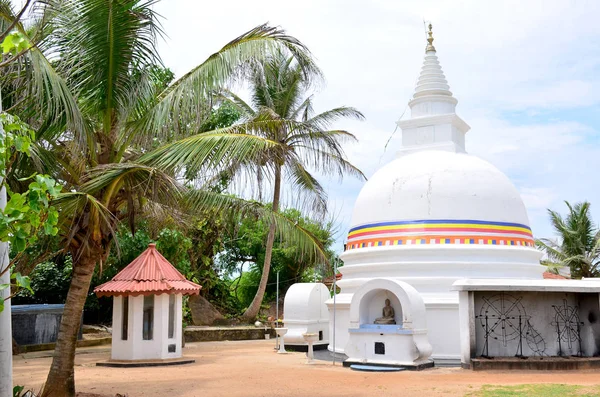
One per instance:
(282, 112)
(106, 53)
(26, 73)
(578, 245)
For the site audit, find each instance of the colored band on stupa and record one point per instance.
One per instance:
(442, 231)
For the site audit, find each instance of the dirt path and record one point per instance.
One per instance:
(251, 368)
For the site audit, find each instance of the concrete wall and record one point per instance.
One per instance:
(443, 331)
(121, 349)
(542, 316)
(589, 313)
(37, 324)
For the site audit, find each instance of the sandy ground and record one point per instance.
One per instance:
(252, 368)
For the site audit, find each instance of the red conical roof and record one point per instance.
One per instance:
(149, 273)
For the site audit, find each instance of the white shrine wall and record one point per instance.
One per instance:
(135, 347)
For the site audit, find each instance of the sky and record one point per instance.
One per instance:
(525, 73)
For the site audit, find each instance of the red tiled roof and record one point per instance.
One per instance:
(548, 275)
(328, 281)
(149, 273)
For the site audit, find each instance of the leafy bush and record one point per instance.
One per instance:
(49, 281)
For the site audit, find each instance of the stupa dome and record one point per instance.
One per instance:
(435, 195)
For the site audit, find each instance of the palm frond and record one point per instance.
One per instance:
(213, 150)
(239, 104)
(329, 163)
(136, 179)
(187, 98)
(323, 121)
(35, 91)
(304, 184)
(83, 220)
(99, 43)
(551, 249)
(579, 248)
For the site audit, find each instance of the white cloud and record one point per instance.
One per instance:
(538, 198)
(534, 57)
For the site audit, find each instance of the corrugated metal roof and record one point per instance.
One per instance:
(149, 273)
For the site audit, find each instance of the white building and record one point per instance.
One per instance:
(305, 312)
(147, 308)
(432, 216)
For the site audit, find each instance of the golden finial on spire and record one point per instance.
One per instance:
(430, 46)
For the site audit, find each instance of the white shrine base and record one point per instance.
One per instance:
(404, 343)
(442, 326)
(431, 270)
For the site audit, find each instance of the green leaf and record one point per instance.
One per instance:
(19, 243)
(15, 43)
(8, 44)
(17, 390)
(23, 282)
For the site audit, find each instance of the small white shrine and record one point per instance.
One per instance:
(395, 335)
(147, 309)
(305, 312)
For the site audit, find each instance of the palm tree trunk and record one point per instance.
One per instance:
(61, 378)
(254, 307)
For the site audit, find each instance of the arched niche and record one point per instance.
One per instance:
(372, 303)
(367, 303)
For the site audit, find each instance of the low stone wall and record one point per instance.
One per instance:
(535, 363)
(36, 324)
(208, 334)
(50, 346)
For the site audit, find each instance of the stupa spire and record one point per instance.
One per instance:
(433, 122)
(431, 80)
(430, 46)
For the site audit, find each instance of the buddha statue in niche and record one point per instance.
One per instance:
(388, 314)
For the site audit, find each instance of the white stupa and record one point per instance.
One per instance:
(432, 216)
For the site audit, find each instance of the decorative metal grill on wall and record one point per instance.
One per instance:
(568, 326)
(504, 319)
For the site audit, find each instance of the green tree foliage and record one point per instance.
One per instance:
(98, 122)
(578, 244)
(27, 214)
(245, 252)
(221, 116)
